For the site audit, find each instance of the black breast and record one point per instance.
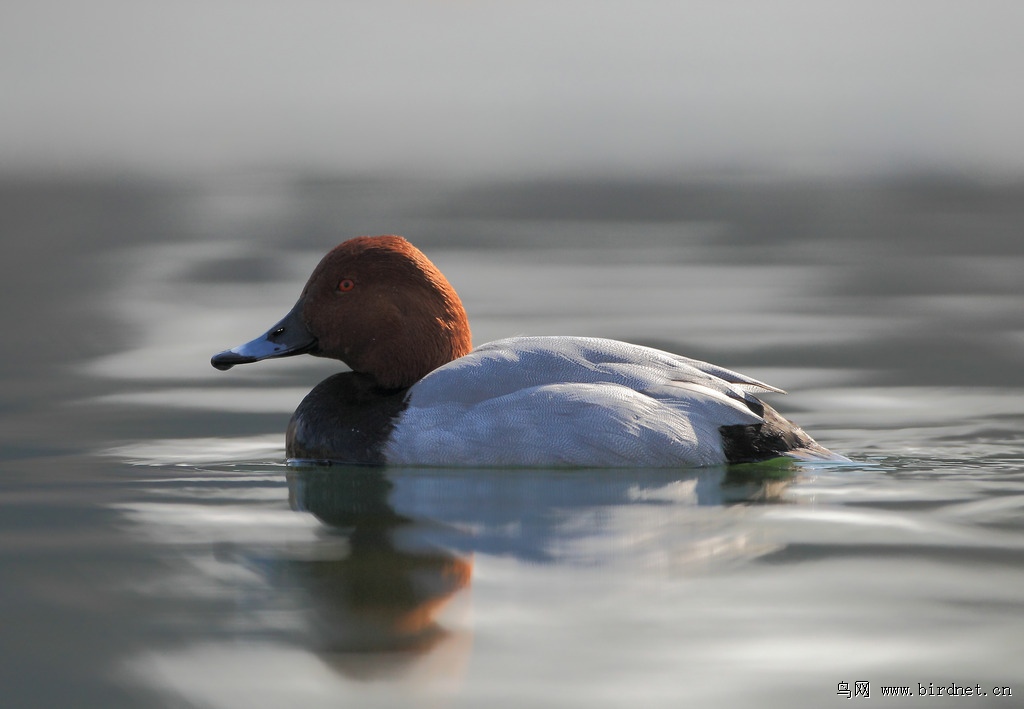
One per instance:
(346, 418)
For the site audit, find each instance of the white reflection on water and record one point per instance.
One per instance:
(193, 451)
(177, 523)
(897, 407)
(262, 400)
(841, 526)
(273, 675)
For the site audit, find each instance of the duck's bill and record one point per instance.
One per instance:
(288, 337)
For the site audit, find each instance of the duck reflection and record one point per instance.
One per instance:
(412, 535)
(383, 595)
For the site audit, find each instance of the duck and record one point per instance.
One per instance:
(417, 393)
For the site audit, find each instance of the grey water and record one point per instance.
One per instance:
(155, 550)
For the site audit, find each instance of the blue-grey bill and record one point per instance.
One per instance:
(288, 337)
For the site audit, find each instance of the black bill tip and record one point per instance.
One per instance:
(228, 359)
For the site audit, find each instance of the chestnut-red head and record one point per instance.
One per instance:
(377, 304)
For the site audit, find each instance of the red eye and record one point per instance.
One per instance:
(346, 284)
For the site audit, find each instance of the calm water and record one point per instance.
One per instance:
(155, 550)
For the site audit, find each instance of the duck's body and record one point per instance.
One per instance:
(418, 396)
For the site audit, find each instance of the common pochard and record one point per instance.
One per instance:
(419, 394)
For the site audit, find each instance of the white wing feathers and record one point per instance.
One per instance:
(572, 401)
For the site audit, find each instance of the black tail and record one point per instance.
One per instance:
(774, 438)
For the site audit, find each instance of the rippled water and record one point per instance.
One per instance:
(156, 551)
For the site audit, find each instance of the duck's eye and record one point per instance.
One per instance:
(346, 284)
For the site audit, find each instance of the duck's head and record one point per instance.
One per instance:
(377, 304)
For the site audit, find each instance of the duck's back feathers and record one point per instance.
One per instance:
(573, 401)
(517, 363)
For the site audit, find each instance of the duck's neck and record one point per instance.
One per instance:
(416, 346)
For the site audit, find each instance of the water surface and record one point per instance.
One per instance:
(156, 551)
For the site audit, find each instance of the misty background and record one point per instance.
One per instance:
(495, 89)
